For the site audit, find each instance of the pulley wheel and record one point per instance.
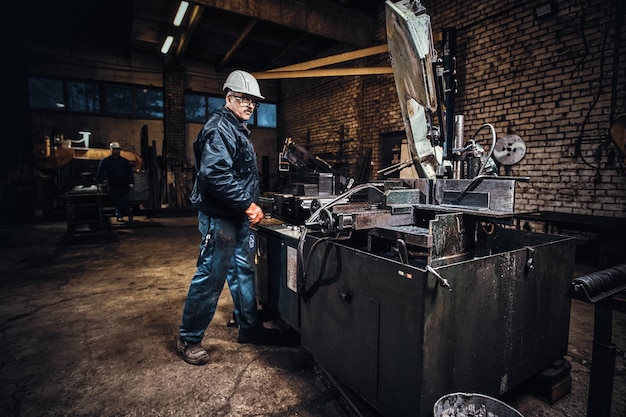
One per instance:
(509, 150)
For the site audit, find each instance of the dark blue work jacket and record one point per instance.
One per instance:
(227, 179)
(116, 170)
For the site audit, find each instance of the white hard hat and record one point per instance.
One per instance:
(243, 82)
(115, 145)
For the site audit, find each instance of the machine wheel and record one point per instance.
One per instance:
(327, 222)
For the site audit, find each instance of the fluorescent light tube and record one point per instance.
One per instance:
(167, 44)
(180, 14)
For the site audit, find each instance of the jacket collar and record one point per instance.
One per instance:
(236, 121)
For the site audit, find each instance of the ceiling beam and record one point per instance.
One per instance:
(335, 59)
(332, 72)
(310, 69)
(286, 49)
(185, 37)
(242, 36)
(320, 18)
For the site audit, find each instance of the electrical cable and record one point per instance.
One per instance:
(302, 262)
(579, 140)
(311, 221)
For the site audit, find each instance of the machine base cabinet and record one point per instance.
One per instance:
(275, 262)
(392, 334)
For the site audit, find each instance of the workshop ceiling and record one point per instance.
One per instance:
(256, 35)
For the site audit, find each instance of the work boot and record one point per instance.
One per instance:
(192, 353)
(264, 337)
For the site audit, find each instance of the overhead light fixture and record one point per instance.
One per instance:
(167, 44)
(180, 14)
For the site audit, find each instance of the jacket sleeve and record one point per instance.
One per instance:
(101, 172)
(216, 176)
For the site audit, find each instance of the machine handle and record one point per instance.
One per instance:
(530, 262)
(442, 281)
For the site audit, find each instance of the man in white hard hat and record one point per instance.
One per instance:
(225, 192)
(118, 173)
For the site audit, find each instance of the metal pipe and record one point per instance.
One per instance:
(459, 127)
(449, 77)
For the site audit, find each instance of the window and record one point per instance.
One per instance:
(96, 97)
(215, 103)
(143, 102)
(198, 107)
(119, 100)
(195, 108)
(266, 115)
(83, 97)
(149, 103)
(46, 93)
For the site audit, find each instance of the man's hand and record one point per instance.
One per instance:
(254, 213)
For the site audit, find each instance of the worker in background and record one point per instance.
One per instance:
(225, 192)
(118, 173)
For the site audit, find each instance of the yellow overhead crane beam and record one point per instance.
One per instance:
(310, 69)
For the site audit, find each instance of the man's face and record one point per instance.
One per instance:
(116, 151)
(241, 104)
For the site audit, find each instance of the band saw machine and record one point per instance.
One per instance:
(405, 290)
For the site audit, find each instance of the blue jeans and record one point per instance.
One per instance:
(224, 255)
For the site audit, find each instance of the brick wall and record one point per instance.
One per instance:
(549, 81)
(174, 113)
(316, 110)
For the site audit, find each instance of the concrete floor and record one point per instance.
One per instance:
(88, 329)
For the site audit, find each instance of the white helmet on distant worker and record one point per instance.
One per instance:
(115, 145)
(243, 82)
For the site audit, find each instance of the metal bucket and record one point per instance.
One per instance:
(472, 405)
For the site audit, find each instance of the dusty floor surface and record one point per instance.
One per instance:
(87, 328)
